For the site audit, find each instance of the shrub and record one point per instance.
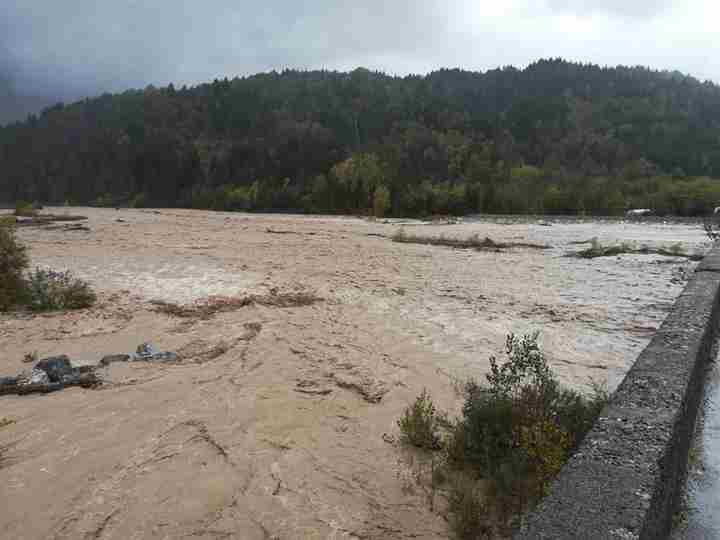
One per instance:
(515, 433)
(104, 201)
(139, 201)
(469, 519)
(25, 209)
(520, 428)
(13, 261)
(381, 201)
(50, 290)
(420, 422)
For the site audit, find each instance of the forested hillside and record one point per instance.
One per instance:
(556, 137)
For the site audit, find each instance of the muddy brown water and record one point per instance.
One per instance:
(281, 423)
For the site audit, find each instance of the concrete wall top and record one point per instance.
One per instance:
(626, 479)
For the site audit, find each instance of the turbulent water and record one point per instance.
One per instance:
(702, 502)
(289, 431)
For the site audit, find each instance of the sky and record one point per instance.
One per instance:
(70, 49)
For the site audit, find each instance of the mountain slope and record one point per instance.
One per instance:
(556, 136)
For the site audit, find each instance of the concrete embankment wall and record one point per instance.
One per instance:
(627, 478)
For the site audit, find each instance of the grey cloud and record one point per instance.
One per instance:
(643, 9)
(130, 43)
(80, 47)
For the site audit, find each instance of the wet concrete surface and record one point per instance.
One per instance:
(702, 515)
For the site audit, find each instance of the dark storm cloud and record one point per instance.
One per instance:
(102, 45)
(73, 48)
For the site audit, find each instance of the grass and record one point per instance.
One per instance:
(471, 242)
(598, 249)
(207, 309)
(516, 431)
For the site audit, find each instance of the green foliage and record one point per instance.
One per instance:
(513, 437)
(13, 262)
(420, 423)
(359, 177)
(105, 200)
(519, 429)
(139, 201)
(468, 514)
(381, 201)
(48, 290)
(555, 137)
(25, 209)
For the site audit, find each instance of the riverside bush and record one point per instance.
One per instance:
(513, 436)
(51, 290)
(25, 209)
(419, 424)
(13, 261)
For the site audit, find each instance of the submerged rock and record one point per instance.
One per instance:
(112, 358)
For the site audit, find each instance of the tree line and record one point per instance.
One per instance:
(555, 137)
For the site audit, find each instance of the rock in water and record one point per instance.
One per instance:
(55, 366)
(145, 351)
(38, 376)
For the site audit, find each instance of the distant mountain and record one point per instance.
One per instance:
(556, 136)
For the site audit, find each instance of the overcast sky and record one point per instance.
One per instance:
(78, 47)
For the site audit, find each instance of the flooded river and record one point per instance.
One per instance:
(287, 431)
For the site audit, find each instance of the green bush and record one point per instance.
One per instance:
(514, 435)
(13, 261)
(468, 514)
(49, 290)
(25, 209)
(139, 201)
(419, 425)
(524, 410)
(105, 200)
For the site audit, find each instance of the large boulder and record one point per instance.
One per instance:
(39, 376)
(56, 367)
(146, 352)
